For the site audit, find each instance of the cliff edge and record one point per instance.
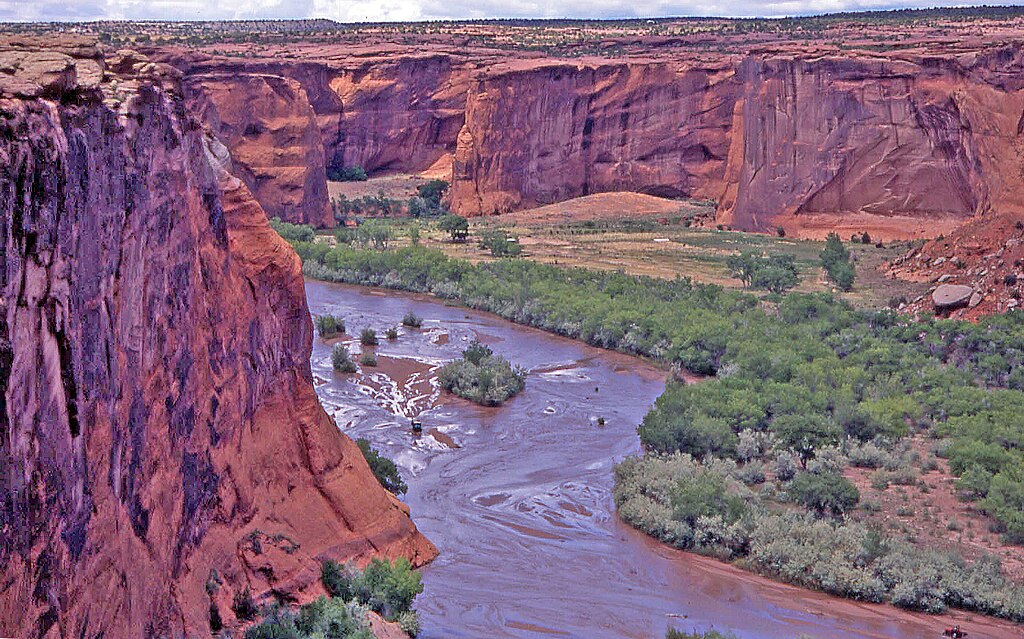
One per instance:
(158, 423)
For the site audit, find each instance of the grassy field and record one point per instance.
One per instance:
(662, 245)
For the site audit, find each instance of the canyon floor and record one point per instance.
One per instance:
(530, 542)
(647, 235)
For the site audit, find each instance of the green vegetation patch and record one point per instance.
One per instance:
(341, 359)
(796, 385)
(328, 326)
(481, 376)
(383, 468)
(292, 232)
(837, 262)
(389, 589)
(707, 508)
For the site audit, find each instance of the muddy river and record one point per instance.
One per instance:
(518, 498)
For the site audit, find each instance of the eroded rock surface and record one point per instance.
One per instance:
(805, 137)
(158, 421)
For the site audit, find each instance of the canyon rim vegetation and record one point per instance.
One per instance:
(813, 226)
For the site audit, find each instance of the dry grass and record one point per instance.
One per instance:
(644, 235)
(930, 513)
(396, 187)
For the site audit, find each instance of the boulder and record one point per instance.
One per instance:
(950, 296)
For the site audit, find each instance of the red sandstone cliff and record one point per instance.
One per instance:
(539, 134)
(923, 138)
(905, 144)
(157, 419)
(287, 120)
(271, 129)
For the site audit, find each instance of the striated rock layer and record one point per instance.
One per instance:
(537, 135)
(157, 421)
(287, 121)
(901, 143)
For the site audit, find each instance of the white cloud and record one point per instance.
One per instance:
(410, 10)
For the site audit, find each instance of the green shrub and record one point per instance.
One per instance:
(328, 326)
(775, 273)
(412, 320)
(388, 588)
(482, 376)
(880, 479)
(705, 496)
(501, 244)
(292, 232)
(279, 625)
(825, 494)
(243, 606)
(334, 618)
(456, 226)
(354, 173)
(368, 359)
(837, 262)
(785, 466)
(974, 482)
(476, 352)
(805, 434)
(368, 337)
(341, 360)
(392, 333)
(383, 468)
(385, 587)
(409, 622)
(665, 430)
(432, 192)
(1005, 500)
(338, 579)
(868, 455)
(375, 233)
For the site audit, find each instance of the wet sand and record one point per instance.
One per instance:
(522, 512)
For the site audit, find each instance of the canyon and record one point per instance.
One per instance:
(161, 445)
(908, 142)
(162, 448)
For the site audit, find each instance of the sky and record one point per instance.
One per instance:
(410, 10)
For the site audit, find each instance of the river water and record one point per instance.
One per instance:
(518, 498)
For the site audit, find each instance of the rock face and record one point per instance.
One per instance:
(269, 125)
(287, 122)
(158, 425)
(880, 142)
(843, 137)
(537, 135)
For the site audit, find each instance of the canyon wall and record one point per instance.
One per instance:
(807, 140)
(269, 124)
(288, 123)
(848, 139)
(540, 134)
(161, 445)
